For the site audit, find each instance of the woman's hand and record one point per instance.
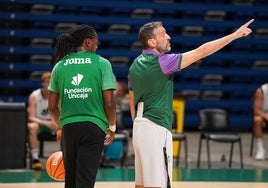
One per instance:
(109, 138)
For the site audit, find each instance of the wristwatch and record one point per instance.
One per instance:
(112, 128)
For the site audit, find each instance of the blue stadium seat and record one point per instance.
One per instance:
(42, 9)
(40, 59)
(42, 25)
(120, 11)
(261, 2)
(166, 13)
(92, 10)
(66, 9)
(241, 64)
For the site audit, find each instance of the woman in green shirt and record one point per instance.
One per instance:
(82, 104)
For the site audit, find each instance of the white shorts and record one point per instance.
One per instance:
(149, 139)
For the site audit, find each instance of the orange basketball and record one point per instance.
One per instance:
(55, 166)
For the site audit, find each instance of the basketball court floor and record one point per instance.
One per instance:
(130, 184)
(123, 178)
(254, 174)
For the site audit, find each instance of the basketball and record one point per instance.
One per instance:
(55, 166)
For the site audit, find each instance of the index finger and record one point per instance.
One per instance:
(249, 22)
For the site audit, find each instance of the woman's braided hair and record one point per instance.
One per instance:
(68, 42)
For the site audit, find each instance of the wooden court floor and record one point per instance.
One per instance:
(124, 177)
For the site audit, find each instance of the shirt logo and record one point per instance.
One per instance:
(44, 112)
(77, 92)
(77, 79)
(77, 61)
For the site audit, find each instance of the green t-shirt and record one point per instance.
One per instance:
(153, 88)
(80, 78)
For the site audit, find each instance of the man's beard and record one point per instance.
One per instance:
(164, 50)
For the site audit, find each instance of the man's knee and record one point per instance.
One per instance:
(258, 121)
(33, 127)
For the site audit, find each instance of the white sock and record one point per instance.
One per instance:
(259, 143)
(34, 153)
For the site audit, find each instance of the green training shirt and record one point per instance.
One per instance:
(153, 88)
(80, 78)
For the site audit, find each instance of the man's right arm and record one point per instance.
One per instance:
(213, 46)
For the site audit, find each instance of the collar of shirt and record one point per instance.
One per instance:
(147, 51)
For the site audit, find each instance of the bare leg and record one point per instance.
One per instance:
(33, 129)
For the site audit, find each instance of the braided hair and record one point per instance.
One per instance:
(68, 42)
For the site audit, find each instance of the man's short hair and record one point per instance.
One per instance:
(45, 75)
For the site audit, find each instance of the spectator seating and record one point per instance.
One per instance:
(224, 80)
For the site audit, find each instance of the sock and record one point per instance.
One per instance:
(259, 143)
(34, 153)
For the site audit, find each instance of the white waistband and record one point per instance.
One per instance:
(140, 110)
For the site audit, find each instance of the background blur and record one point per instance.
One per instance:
(227, 79)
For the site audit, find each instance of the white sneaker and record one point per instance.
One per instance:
(260, 155)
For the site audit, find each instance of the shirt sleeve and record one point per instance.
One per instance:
(53, 84)
(108, 81)
(170, 63)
